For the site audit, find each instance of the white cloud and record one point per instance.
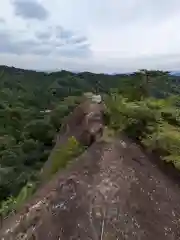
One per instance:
(115, 35)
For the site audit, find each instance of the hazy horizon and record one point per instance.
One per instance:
(96, 36)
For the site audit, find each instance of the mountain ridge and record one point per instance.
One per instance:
(46, 127)
(103, 193)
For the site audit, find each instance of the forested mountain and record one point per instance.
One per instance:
(145, 101)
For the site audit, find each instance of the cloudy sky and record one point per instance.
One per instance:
(90, 35)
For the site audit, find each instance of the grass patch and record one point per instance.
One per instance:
(64, 154)
(12, 204)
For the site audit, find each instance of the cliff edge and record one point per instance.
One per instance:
(111, 191)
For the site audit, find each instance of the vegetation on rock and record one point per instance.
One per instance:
(145, 105)
(152, 120)
(62, 155)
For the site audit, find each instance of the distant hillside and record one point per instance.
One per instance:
(57, 84)
(84, 176)
(175, 73)
(28, 132)
(47, 88)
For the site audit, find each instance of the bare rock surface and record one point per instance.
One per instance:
(85, 123)
(112, 191)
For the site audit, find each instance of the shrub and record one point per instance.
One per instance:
(14, 203)
(7, 206)
(154, 122)
(134, 118)
(165, 139)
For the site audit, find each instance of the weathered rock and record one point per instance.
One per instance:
(85, 123)
(112, 191)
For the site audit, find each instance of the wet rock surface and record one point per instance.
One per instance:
(111, 192)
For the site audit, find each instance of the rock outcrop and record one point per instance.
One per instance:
(112, 191)
(85, 123)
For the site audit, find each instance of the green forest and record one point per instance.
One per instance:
(144, 105)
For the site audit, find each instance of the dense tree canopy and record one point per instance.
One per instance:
(33, 104)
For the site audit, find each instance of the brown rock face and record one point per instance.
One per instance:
(85, 123)
(112, 191)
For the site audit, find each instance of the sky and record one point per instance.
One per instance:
(107, 36)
